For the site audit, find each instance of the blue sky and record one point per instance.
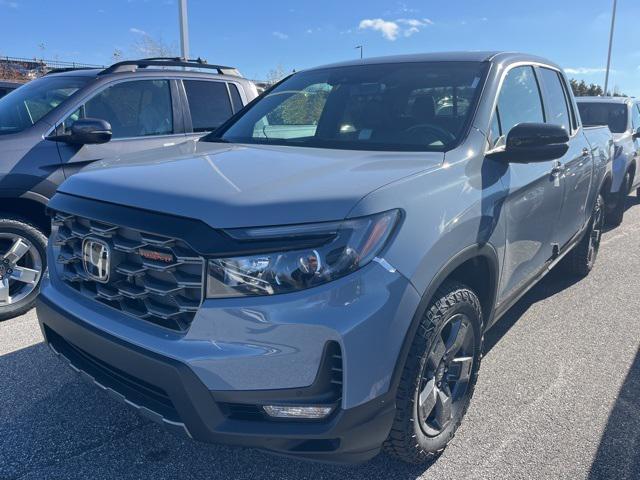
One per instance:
(257, 36)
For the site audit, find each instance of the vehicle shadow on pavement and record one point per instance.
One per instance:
(55, 425)
(618, 454)
(554, 282)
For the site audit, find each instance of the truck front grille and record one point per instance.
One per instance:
(155, 278)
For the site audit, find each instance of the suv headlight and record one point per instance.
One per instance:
(343, 247)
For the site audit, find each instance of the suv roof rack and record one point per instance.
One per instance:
(132, 65)
(68, 69)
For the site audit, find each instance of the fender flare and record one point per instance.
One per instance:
(28, 195)
(486, 251)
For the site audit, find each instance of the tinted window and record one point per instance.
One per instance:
(235, 98)
(134, 109)
(411, 106)
(635, 119)
(26, 105)
(209, 104)
(519, 99)
(614, 115)
(556, 102)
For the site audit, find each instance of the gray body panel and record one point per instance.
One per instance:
(253, 185)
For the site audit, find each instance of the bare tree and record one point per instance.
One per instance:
(149, 46)
(276, 74)
(116, 56)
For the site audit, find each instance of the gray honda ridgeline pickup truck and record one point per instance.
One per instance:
(315, 277)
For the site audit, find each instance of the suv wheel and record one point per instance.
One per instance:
(582, 258)
(439, 376)
(616, 215)
(22, 262)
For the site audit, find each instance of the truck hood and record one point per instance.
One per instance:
(230, 186)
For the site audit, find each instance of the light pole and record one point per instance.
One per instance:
(361, 48)
(184, 29)
(613, 22)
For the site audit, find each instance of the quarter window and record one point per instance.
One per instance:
(556, 102)
(235, 98)
(519, 99)
(209, 104)
(495, 134)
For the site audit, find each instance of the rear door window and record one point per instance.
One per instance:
(555, 99)
(519, 99)
(209, 104)
(614, 115)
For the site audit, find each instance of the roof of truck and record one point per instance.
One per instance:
(606, 99)
(469, 56)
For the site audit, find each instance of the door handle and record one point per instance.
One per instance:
(557, 169)
(556, 173)
(585, 152)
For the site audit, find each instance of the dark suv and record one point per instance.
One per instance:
(52, 127)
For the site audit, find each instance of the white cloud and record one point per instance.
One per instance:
(584, 70)
(6, 3)
(416, 22)
(388, 29)
(413, 25)
(280, 35)
(137, 31)
(392, 29)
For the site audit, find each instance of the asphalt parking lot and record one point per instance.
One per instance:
(558, 397)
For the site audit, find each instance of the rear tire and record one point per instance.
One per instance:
(22, 264)
(439, 376)
(580, 261)
(616, 215)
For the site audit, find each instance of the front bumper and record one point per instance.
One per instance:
(251, 353)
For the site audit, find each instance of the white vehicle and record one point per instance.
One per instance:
(622, 115)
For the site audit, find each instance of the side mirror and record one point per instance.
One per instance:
(534, 142)
(86, 131)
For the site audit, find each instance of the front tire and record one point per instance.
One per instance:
(580, 261)
(439, 376)
(22, 263)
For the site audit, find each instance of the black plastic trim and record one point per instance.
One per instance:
(204, 239)
(486, 251)
(349, 436)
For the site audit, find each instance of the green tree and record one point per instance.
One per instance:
(581, 89)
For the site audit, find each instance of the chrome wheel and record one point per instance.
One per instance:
(20, 268)
(446, 375)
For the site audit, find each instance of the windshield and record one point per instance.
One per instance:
(613, 115)
(395, 106)
(26, 105)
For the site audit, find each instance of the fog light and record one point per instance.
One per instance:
(282, 411)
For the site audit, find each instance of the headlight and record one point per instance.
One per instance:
(343, 247)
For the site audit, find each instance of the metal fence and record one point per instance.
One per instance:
(20, 68)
